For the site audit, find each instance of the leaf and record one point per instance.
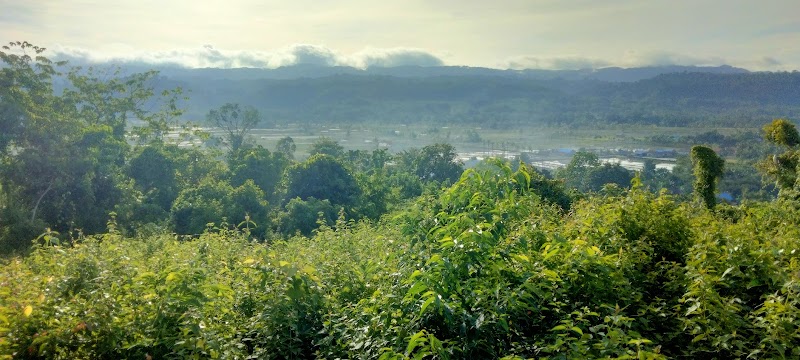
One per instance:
(310, 270)
(577, 330)
(550, 274)
(551, 253)
(171, 276)
(479, 321)
(412, 343)
(417, 273)
(726, 272)
(28, 311)
(435, 259)
(446, 242)
(426, 304)
(248, 261)
(417, 288)
(692, 308)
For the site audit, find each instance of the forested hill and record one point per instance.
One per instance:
(493, 98)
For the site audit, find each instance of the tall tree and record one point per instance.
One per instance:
(327, 146)
(236, 121)
(438, 162)
(257, 164)
(783, 168)
(287, 147)
(708, 168)
(63, 153)
(576, 174)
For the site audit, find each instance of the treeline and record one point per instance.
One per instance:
(677, 99)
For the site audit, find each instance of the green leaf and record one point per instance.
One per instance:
(414, 341)
(426, 304)
(417, 288)
(577, 330)
(521, 258)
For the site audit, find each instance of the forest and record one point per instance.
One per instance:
(692, 97)
(116, 242)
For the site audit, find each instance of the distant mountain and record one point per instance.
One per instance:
(612, 74)
(672, 96)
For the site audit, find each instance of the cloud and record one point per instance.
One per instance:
(629, 59)
(394, 57)
(661, 58)
(211, 57)
(568, 62)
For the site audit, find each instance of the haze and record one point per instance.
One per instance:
(545, 34)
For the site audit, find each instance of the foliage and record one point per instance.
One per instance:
(708, 168)
(505, 263)
(322, 177)
(586, 173)
(783, 168)
(63, 152)
(236, 121)
(217, 200)
(326, 146)
(438, 162)
(258, 165)
(782, 132)
(287, 147)
(486, 269)
(305, 216)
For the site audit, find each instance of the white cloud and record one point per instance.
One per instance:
(568, 62)
(373, 57)
(661, 58)
(209, 56)
(632, 59)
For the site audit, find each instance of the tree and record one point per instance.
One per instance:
(783, 168)
(213, 201)
(304, 216)
(327, 146)
(286, 147)
(258, 165)
(576, 173)
(438, 162)
(63, 153)
(154, 171)
(605, 174)
(236, 121)
(322, 177)
(782, 132)
(708, 168)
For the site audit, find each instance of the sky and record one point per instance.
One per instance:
(516, 34)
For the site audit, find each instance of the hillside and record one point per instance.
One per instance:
(666, 97)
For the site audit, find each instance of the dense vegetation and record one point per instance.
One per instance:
(502, 101)
(144, 249)
(491, 267)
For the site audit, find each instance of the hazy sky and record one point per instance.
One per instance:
(759, 35)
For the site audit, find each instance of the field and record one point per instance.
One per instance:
(402, 137)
